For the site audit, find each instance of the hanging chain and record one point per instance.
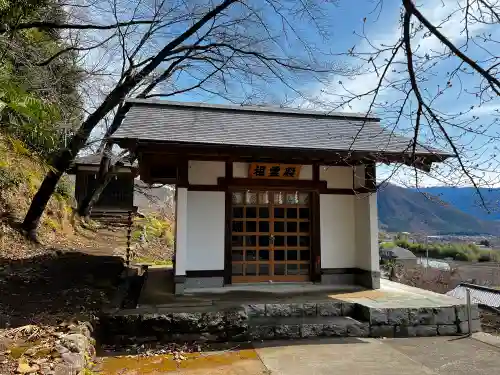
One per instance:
(129, 233)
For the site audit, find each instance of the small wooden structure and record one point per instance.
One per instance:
(117, 198)
(268, 194)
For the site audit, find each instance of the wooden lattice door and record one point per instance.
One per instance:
(270, 236)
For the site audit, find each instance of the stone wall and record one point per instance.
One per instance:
(285, 320)
(410, 322)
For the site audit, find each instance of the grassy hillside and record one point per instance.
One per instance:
(21, 172)
(403, 209)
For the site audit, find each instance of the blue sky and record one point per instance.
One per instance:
(382, 25)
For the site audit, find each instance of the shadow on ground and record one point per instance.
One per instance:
(46, 289)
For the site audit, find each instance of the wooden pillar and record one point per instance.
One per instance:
(315, 229)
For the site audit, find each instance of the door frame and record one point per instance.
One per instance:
(273, 185)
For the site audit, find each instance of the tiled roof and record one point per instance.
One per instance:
(94, 159)
(90, 159)
(195, 123)
(479, 294)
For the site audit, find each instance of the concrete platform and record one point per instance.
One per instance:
(269, 311)
(157, 293)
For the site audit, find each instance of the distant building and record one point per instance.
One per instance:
(402, 256)
(117, 197)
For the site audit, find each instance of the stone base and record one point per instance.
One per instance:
(203, 282)
(287, 320)
(368, 279)
(350, 276)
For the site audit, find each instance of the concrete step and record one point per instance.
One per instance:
(268, 328)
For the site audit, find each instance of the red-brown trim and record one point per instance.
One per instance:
(315, 172)
(229, 170)
(370, 176)
(339, 191)
(229, 173)
(320, 186)
(227, 239)
(272, 184)
(315, 237)
(183, 173)
(206, 188)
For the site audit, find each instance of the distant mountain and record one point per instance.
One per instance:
(406, 210)
(467, 199)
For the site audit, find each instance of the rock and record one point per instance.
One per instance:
(335, 330)
(382, 331)
(445, 315)
(297, 309)
(278, 309)
(448, 330)
(397, 316)
(81, 328)
(425, 315)
(311, 330)
(348, 308)
(330, 309)
(309, 309)
(255, 310)
(461, 311)
(76, 343)
(373, 315)
(358, 330)
(261, 332)
(287, 331)
(464, 326)
(422, 331)
(75, 361)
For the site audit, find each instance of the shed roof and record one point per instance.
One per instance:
(94, 160)
(400, 253)
(265, 127)
(479, 294)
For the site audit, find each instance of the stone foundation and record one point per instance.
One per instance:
(286, 321)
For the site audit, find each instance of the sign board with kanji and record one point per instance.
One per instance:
(274, 171)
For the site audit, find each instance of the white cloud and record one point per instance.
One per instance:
(443, 13)
(492, 109)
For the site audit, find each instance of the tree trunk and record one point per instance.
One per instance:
(103, 179)
(42, 196)
(91, 199)
(117, 95)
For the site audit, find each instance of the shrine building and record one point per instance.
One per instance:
(268, 194)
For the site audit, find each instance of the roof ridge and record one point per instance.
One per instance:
(253, 108)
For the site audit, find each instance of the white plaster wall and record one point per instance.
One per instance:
(306, 172)
(337, 227)
(205, 230)
(240, 170)
(359, 176)
(181, 236)
(366, 224)
(336, 177)
(205, 172)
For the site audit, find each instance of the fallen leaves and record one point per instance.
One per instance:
(24, 367)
